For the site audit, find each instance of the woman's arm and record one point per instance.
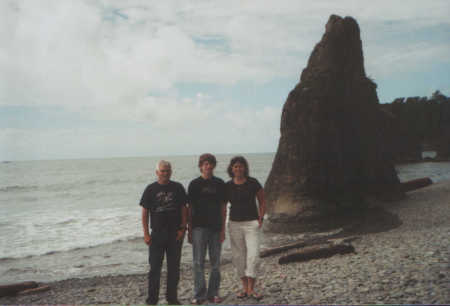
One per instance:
(262, 206)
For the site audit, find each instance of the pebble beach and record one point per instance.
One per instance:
(401, 257)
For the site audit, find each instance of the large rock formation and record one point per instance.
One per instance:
(331, 151)
(420, 124)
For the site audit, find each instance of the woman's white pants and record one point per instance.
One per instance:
(244, 240)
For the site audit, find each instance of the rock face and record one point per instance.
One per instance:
(330, 153)
(420, 124)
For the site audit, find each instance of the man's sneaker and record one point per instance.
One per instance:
(173, 302)
(216, 299)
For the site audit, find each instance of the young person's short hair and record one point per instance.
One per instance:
(207, 157)
(238, 159)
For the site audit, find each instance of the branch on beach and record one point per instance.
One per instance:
(415, 184)
(295, 245)
(13, 289)
(34, 290)
(317, 252)
(303, 243)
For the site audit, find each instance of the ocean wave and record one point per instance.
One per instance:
(106, 181)
(10, 258)
(18, 188)
(65, 222)
(133, 238)
(91, 182)
(119, 181)
(5, 223)
(19, 270)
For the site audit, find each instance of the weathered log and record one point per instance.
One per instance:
(12, 289)
(415, 184)
(281, 249)
(294, 245)
(34, 290)
(317, 252)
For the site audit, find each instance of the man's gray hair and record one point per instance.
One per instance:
(163, 163)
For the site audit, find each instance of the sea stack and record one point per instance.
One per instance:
(331, 152)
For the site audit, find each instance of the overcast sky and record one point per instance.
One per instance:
(81, 79)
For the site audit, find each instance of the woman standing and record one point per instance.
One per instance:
(245, 223)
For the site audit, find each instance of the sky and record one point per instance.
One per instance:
(98, 78)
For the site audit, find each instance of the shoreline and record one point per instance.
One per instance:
(406, 262)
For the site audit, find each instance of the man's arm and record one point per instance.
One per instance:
(184, 217)
(262, 206)
(190, 197)
(147, 236)
(189, 222)
(224, 220)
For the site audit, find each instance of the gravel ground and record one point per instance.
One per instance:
(402, 257)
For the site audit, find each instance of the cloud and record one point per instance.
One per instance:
(160, 125)
(410, 58)
(121, 62)
(113, 52)
(71, 53)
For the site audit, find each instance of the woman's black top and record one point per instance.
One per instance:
(243, 199)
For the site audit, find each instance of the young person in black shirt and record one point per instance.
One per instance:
(246, 219)
(207, 214)
(165, 202)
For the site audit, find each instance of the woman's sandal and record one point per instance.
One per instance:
(256, 296)
(241, 294)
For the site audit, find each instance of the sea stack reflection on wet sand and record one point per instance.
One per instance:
(330, 157)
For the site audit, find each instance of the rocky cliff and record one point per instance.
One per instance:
(419, 124)
(330, 153)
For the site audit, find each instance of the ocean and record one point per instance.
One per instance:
(80, 218)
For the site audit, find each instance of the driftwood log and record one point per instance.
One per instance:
(316, 252)
(294, 245)
(335, 238)
(13, 289)
(415, 184)
(34, 290)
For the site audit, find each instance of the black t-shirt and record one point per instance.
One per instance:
(243, 199)
(206, 197)
(164, 203)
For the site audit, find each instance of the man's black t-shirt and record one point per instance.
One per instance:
(243, 199)
(164, 203)
(206, 197)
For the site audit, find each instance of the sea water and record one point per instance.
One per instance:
(81, 218)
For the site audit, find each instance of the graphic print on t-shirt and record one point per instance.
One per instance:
(209, 190)
(165, 201)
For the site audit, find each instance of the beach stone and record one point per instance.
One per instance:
(330, 153)
(275, 289)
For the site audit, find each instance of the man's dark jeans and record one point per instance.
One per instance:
(206, 239)
(161, 244)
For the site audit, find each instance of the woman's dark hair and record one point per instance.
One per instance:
(207, 157)
(241, 160)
